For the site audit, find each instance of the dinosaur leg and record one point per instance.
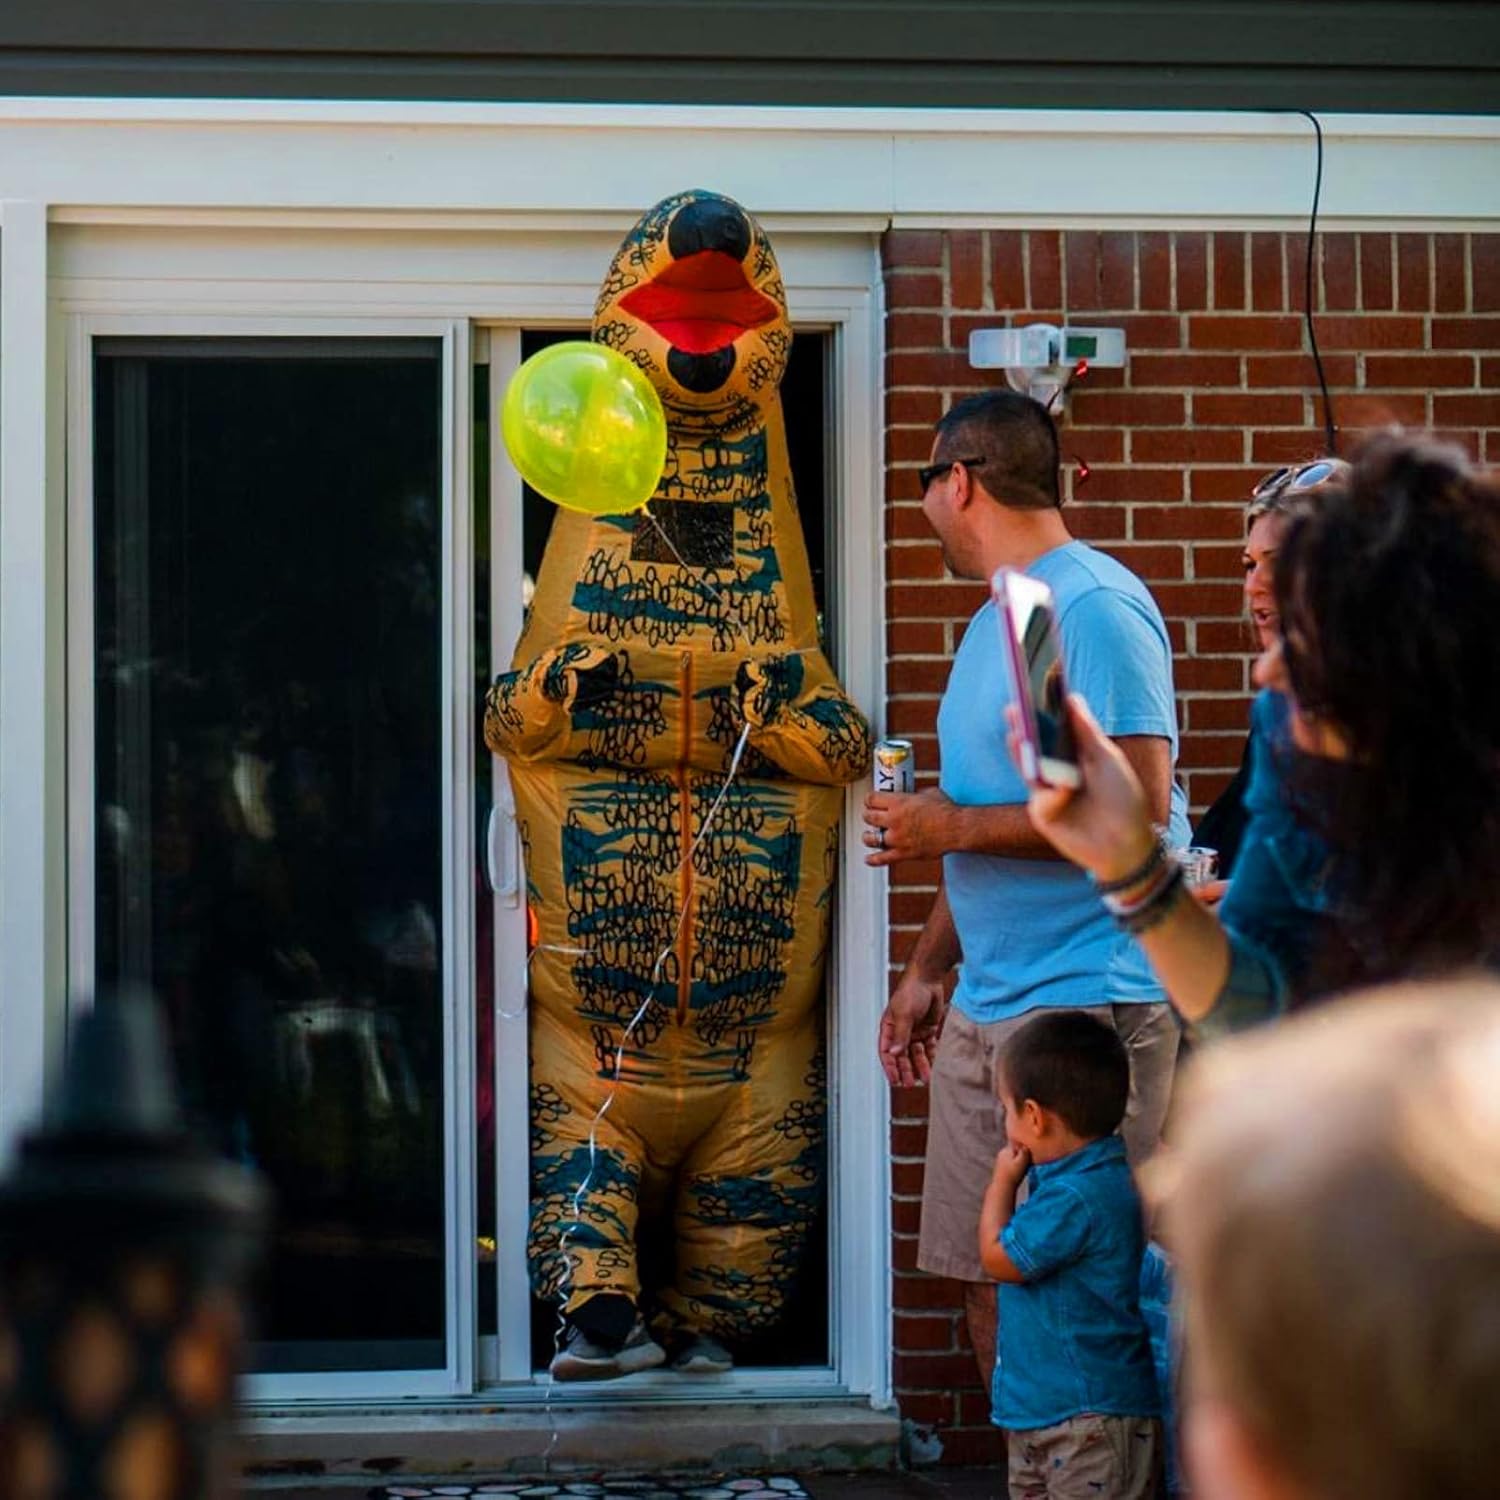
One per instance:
(750, 1190)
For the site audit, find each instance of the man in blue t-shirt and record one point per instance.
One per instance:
(1025, 929)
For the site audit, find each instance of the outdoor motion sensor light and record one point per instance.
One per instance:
(1041, 359)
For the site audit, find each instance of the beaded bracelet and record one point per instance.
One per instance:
(1121, 907)
(1147, 915)
(1148, 866)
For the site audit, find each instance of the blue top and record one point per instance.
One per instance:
(1277, 910)
(1072, 1338)
(1033, 931)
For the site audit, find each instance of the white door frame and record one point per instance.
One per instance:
(457, 760)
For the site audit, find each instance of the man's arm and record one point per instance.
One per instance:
(929, 824)
(913, 1016)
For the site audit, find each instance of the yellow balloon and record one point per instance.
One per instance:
(585, 428)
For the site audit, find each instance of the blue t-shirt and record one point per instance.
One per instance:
(1072, 1338)
(1034, 932)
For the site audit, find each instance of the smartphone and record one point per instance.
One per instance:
(1033, 650)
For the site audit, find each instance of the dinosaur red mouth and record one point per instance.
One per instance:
(700, 303)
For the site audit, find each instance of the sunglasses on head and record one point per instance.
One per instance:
(929, 472)
(1293, 477)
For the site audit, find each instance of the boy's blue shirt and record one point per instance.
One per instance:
(1072, 1338)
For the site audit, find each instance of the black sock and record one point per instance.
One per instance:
(605, 1319)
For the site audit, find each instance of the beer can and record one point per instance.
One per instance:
(895, 766)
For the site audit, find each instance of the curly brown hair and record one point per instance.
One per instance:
(1388, 589)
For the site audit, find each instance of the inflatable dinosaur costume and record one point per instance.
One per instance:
(652, 641)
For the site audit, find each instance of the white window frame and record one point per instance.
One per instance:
(167, 283)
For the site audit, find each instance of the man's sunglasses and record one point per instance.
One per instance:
(1291, 478)
(929, 472)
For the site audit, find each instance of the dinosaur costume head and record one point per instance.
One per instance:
(694, 297)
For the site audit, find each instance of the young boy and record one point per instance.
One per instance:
(1074, 1385)
(1335, 1217)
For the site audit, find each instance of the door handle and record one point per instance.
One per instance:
(502, 845)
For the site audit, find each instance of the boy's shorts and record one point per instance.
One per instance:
(965, 1129)
(1088, 1457)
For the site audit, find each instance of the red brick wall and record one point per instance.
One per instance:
(1219, 388)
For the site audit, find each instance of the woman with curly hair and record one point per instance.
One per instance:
(1373, 848)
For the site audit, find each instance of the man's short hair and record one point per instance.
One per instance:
(1072, 1064)
(1017, 440)
(1333, 1199)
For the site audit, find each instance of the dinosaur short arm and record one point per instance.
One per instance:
(529, 713)
(800, 718)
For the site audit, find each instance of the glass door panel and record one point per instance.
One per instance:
(269, 797)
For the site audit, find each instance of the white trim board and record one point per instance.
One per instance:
(1101, 167)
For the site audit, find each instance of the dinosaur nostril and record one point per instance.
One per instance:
(709, 223)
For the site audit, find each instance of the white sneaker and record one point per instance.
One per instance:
(581, 1358)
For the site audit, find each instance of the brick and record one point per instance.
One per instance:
(1469, 441)
(1187, 445)
(1117, 269)
(1094, 445)
(1340, 278)
(1376, 286)
(1007, 268)
(1450, 290)
(932, 1333)
(1191, 256)
(1150, 561)
(923, 637)
(1206, 787)
(1130, 484)
(1149, 330)
(1484, 253)
(1214, 331)
(911, 445)
(1154, 255)
(1466, 411)
(1241, 410)
(1224, 484)
(906, 523)
(1095, 523)
(1187, 522)
(923, 407)
(1372, 331)
(1186, 600)
(1219, 714)
(906, 563)
(913, 1291)
(1148, 370)
(944, 370)
(1489, 374)
(906, 1218)
(909, 908)
(1229, 271)
(1413, 273)
(1218, 560)
(926, 601)
(1364, 413)
(1288, 446)
(973, 1408)
(928, 1408)
(966, 278)
(1081, 251)
(908, 1139)
(914, 330)
(911, 247)
(919, 674)
(1176, 635)
(1466, 333)
(1422, 370)
(1202, 674)
(1126, 408)
(915, 289)
(943, 1372)
(906, 1178)
(1044, 268)
(1213, 637)
(1294, 248)
(1210, 751)
(1298, 370)
(907, 716)
(1267, 283)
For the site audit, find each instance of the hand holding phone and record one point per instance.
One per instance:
(1033, 652)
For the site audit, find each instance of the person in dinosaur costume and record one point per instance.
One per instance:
(681, 913)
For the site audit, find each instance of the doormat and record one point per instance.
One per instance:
(637, 1486)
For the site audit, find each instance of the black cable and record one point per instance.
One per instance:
(1307, 294)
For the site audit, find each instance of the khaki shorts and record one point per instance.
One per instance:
(965, 1129)
(1087, 1457)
